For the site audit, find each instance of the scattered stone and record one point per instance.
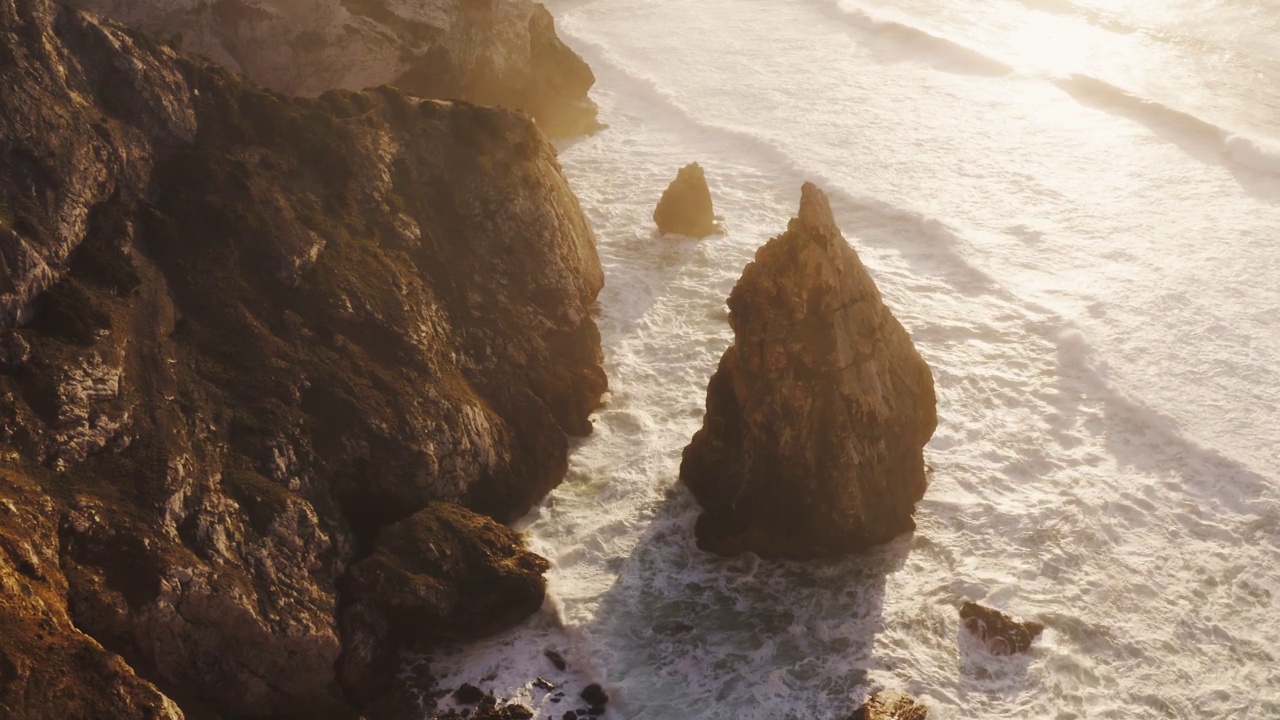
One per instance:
(595, 710)
(891, 705)
(556, 659)
(595, 694)
(1000, 633)
(545, 684)
(812, 444)
(469, 694)
(517, 712)
(570, 715)
(685, 207)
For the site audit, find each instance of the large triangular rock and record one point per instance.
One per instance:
(685, 207)
(817, 417)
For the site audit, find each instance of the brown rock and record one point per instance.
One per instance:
(242, 333)
(685, 207)
(891, 705)
(1000, 633)
(818, 414)
(500, 53)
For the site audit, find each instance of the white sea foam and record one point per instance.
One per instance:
(1098, 303)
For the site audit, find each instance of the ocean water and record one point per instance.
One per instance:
(1074, 208)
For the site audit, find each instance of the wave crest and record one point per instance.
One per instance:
(1199, 137)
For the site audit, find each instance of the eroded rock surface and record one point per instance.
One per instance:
(239, 335)
(493, 52)
(445, 573)
(891, 705)
(999, 633)
(818, 414)
(685, 207)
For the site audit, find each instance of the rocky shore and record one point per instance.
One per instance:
(248, 375)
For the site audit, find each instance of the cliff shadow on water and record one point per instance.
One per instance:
(695, 629)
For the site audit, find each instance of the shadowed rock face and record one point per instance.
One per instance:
(999, 633)
(685, 207)
(891, 705)
(444, 573)
(239, 335)
(494, 52)
(818, 414)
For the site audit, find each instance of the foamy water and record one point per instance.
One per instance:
(1075, 210)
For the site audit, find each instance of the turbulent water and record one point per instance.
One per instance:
(1074, 207)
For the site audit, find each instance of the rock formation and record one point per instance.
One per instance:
(891, 705)
(244, 340)
(818, 414)
(685, 207)
(999, 633)
(494, 52)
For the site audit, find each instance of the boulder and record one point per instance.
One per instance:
(1000, 633)
(891, 705)
(812, 443)
(685, 207)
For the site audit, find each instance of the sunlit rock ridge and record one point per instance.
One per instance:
(494, 52)
(818, 414)
(247, 341)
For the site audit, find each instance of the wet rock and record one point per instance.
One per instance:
(517, 712)
(594, 694)
(812, 443)
(891, 705)
(556, 659)
(507, 53)
(544, 684)
(1000, 633)
(685, 207)
(468, 694)
(443, 574)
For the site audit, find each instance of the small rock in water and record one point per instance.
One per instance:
(570, 715)
(595, 694)
(517, 712)
(468, 694)
(595, 710)
(686, 208)
(891, 705)
(556, 659)
(545, 684)
(1001, 634)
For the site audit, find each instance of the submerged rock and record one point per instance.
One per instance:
(891, 705)
(494, 53)
(1000, 633)
(817, 416)
(241, 335)
(685, 207)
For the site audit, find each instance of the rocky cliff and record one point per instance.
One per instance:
(818, 413)
(244, 341)
(496, 52)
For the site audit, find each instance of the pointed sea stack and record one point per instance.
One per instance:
(817, 417)
(685, 208)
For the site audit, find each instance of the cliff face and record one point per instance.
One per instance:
(239, 335)
(818, 414)
(495, 52)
